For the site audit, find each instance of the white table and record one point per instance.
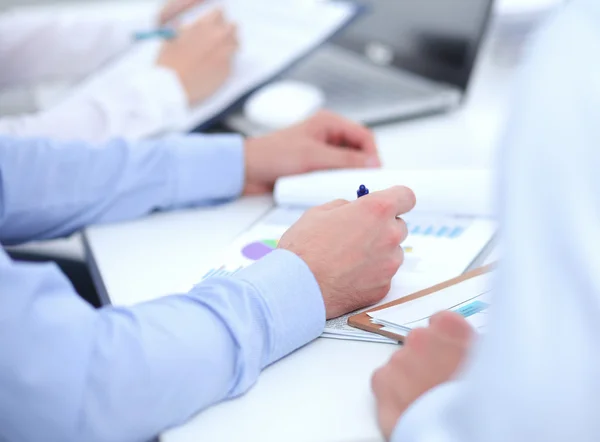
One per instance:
(322, 391)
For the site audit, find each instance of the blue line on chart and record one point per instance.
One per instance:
(451, 232)
(442, 231)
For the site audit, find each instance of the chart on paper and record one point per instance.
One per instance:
(259, 249)
(471, 299)
(437, 248)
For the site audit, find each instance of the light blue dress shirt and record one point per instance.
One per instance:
(536, 375)
(72, 373)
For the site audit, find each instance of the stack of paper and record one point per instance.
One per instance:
(470, 298)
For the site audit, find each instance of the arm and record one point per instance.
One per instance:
(52, 189)
(146, 102)
(41, 44)
(71, 373)
(144, 93)
(534, 375)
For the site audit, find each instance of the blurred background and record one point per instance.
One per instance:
(511, 22)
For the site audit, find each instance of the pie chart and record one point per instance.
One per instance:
(256, 250)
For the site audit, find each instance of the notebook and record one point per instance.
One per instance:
(440, 245)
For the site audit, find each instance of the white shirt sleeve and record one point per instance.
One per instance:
(535, 375)
(37, 45)
(47, 44)
(146, 103)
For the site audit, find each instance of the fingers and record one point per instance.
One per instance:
(451, 325)
(403, 229)
(175, 8)
(215, 16)
(333, 204)
(391, 202)
(328, 157)
(213, 32)
(442, 346)
(390, 266)
(348, 132)
(215, 20)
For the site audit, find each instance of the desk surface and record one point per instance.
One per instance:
(322, 391)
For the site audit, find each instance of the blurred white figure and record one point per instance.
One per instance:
(535, 376)
(37, 46)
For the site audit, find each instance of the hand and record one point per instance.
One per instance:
(325, 141)
(174, 8)
(353, 248)
(430, 357)
(201, 55)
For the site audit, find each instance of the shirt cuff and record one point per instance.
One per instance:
(206, 168)
(418, 422)
(294, 298)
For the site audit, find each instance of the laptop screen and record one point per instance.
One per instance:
(438, 39)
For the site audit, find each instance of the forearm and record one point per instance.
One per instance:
(147, 102)
(52, 189)
(134, 372)
(37, 44)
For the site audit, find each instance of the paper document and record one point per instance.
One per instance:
(273, 34)
(466, 192)
(438, 248)
(470, 298)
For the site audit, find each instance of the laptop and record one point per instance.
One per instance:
(400, 59)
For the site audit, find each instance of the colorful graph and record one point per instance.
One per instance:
(439, 231)
(256, 250)
(472, 308)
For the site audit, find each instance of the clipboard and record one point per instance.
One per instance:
(363, 320)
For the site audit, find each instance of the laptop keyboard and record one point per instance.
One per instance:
(349, 82)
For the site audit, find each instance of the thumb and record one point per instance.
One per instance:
(451, 325)
(330, 157)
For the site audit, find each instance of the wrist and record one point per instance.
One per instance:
(288, 287)
(253, 184)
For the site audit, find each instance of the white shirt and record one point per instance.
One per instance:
(42, 45)
(536, 375)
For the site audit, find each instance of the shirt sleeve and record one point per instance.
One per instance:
(42, 44)
(148, 101)
(534, 375)
(50, 189)
(71, 373)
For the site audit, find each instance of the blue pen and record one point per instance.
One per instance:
(164, 33)
(362, 191)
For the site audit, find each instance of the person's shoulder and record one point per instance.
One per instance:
(558, 77)
(565, 47)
